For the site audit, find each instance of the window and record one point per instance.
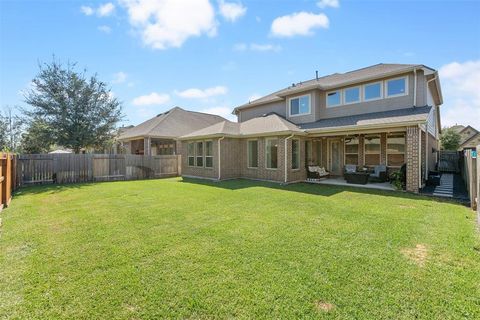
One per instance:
(208, 154)
(352, 95)
(351, 150)
(300, 105)
(199, 154)
(333, 98)
(396, 149)
(397, 87)
(271, 151)
(295, 154)
(191, 154)
(252, 153)
(165, 148)
(372, 91)
(372, 150)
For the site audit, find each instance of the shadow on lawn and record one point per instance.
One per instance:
(313, 189)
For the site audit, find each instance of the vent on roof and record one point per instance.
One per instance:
(161, 114)
(316, 74)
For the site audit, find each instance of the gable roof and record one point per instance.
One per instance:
(171, 124)
(260, 126)
(470, 140)
(337, 80)
(390, 118)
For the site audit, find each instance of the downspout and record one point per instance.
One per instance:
(286, 157)
(419, 157)
(414, 87)
(219, 158)
(427, 163)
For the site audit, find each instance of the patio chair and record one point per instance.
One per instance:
(316, 172)
(379, 174)
(350, 168)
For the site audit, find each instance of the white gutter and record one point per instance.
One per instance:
(286, 156)
(419, 157)
(414, 87)
(219, 158)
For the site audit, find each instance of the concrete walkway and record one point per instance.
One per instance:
(445, 189)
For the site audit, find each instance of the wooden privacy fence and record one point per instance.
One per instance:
(7, 178)
(471, 176)
(74, 168)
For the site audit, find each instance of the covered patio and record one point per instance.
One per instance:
(340, 181)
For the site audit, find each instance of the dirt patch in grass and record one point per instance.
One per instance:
(324, 306)
(417, 254)
(404, 206)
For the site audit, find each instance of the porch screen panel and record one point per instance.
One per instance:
(191, 154)
(351, 150)
(396, 149)
(372, 150)
(272, 153)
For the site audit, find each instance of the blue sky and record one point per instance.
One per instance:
(214, 55)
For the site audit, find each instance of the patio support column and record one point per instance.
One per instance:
(413, 159)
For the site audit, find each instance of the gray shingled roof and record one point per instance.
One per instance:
(172, 124)
(414, 114)
(269, 124)
(336, 80)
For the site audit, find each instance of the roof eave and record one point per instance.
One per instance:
(366, 127)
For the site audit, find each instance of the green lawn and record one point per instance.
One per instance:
(237, 249)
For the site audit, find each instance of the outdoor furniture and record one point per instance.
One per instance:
(357, 177)
(350, 168)
(317, 172)
(379, 174)
(433, 178)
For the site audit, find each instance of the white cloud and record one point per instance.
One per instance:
(461, 93)
(120, 77)
(225, 112)
(195, 93)
(299, 23)
(105, 9)
(328, 3)
(105, 29)
(151, 99)
(164, 24)
(231, 11)
(256, 47)
(86, 10)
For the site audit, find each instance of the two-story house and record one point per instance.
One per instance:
(383, 114)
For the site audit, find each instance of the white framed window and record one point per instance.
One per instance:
(299, 105)
(209, 154)
(351, 95)
(334, 98)
(396, 87)
(395, 149)
(295, 154)
(271, 151)
(372, 150)
(191, 154)
(351, 150)
(199, 154)
(252, 154)
(372, 91)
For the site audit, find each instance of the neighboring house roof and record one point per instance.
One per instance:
(171, 124)
(337, 80)
(60, 151)
(260, 126)
(380, 119)
(471, 142)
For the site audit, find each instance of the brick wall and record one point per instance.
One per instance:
(211, 173)
(413, 161)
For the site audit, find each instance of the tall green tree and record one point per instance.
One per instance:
(450, 139)
(37, 137)
(78, 111)
(11, 126)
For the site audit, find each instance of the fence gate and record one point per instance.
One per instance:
(448, 161)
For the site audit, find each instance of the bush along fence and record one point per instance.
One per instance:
(75, 168)
(8, 174)
(471, 176)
